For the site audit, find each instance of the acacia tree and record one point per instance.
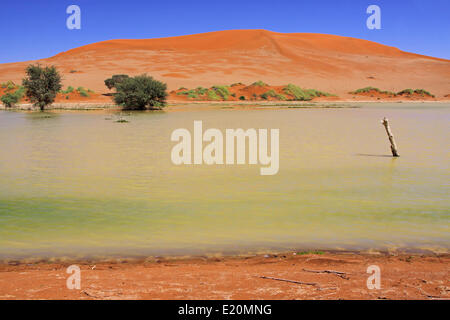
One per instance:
(139, 92)
(41, 85)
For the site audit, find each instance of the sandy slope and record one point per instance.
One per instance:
(325, 62)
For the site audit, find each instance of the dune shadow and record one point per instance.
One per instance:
(374, 155)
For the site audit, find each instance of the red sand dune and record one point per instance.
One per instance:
(328, 63)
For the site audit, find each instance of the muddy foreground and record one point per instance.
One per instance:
(309, 276)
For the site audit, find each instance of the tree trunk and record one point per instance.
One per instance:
(385, 123)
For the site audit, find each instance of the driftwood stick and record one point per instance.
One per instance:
(343, 275)
(291, 281)
(385, 123)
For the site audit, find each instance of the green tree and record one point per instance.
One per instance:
(139, 92)
(41, 85)
(114, 80)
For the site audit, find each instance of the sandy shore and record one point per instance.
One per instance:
(317, 276)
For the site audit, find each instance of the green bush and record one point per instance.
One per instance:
(201, 91)
(241, 98)
(316, 93)
(42, 84)
(10, 86)
(422, 92)
(260, 84)
(68, 90)
(9, 99)
(82, 92)
(194, 93)
(366, 89)
(300, 94)
(272, 93)
(115, 80)
(369, 89)
(222, 91)
(138, 92)
(20, 92)
(212, 95)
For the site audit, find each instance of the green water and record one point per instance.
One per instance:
(73, 184)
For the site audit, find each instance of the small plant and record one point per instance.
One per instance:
(10, 86)
(421, 92)
(271, 93)
(366, 90)
(9, 99)
(310, 252)
(82, 92)
(222, 91)
(372, 89)
(300, 94)
(68, 90)
(194, 93)
(201, 91)
(20, 92)
(212, 95)
(241, 98)
(259, 84)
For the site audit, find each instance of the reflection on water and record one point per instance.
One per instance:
(76, 184)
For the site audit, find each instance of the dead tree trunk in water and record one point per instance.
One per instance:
(391, 138)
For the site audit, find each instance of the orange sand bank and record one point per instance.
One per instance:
(318, 276)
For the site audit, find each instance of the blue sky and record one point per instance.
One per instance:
(34, 29)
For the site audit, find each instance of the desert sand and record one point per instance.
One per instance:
(315, 276)
(334, 64)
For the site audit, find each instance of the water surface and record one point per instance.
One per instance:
(75, 184)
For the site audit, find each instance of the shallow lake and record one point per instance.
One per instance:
(78, 184)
